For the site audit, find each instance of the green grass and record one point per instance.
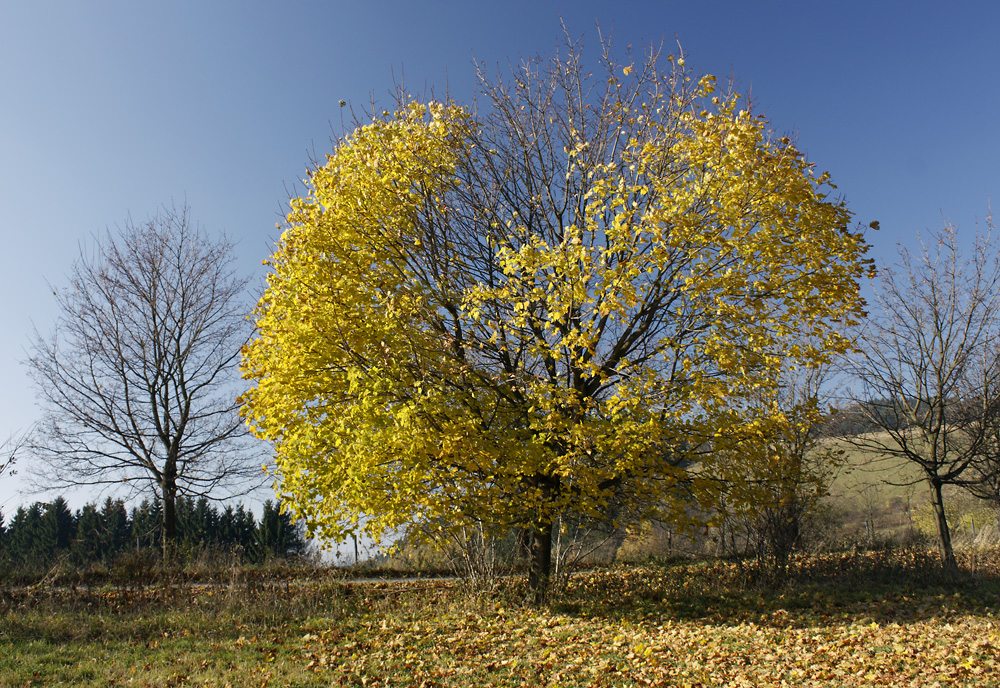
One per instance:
(862, 470)
(850, 619)
(892, 496)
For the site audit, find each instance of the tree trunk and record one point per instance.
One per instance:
(540, 569)
(944, 534)
(169, 489)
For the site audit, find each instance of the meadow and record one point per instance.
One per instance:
(867, 604)
(851, 618)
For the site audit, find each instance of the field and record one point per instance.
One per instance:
(843, 619)
(878, 500)
(871, 612)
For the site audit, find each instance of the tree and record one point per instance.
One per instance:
(277, 535)
(3, 539)
(58, 527)
(88, 542)
(237, 528)
(25, 537)
(9, 449)
(774, 473)
(198, 522)
(928, 374)
(497, 318)
(137, 381)
(115, 528)
(147, 521)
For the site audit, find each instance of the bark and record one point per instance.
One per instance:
(540, 570)
(169, 496)
(944, 533)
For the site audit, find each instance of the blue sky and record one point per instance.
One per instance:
(111, 109)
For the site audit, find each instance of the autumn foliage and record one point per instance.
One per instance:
(546, 306)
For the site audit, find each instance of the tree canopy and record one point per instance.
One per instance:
(498, 316)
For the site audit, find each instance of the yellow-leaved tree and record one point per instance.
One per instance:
(493, 318)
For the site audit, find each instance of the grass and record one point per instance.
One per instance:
(848, 619)
(888, 500)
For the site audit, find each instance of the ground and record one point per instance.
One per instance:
(883, 618)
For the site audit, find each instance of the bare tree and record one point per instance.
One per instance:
(8, 452)
(928, 374)
(985, 424)
(138, 380)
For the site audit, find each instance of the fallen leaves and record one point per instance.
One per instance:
(736, 641)
(844, 622)
(693, 652)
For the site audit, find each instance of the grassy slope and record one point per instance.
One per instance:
(894, 494)
(864, 470)
(849, 620)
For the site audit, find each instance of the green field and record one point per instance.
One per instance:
(846, 619)
(888, 500)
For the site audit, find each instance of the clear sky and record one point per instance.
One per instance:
(111, 109)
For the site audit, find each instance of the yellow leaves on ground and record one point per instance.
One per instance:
(876, 619)
(818, 641)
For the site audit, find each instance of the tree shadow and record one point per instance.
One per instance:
(882, 587)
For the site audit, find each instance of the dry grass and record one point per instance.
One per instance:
(848, 619)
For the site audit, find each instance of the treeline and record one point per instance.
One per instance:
(39, 535)
(879, 414)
